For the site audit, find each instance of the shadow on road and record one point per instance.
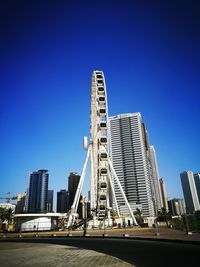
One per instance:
(141, 253)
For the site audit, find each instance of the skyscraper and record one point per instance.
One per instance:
(155, 179)
(197, 184)
(189, 192)
(20, 207)
(62, 201)
(176, 206)
(50, 201)
(163, 194)
(128, 147)
(38, 191)
(73, 181)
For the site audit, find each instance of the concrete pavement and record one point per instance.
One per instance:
(79, 251)
(139, 249)
(15, 254)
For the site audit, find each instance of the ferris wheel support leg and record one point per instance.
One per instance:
(92, 189)
(122, 191)
(113, 192)
(78, 191)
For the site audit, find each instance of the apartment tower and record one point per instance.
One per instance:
(189, 192)
(155, 179)
(38, 191)
(128, 148)
(73, 181)
(197, 184)
(163, 194)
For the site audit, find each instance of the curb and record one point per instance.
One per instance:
(125, 237)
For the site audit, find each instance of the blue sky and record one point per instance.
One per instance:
(150, 54)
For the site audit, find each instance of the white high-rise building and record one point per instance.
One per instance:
(128, 148)
(163, 194)
(155, 179)
(190, 192)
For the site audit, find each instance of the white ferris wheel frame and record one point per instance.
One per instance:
(99, 200)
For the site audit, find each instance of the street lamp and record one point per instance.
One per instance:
(156, 227)
(84, 210)
(187, 226)
(125, 234)
(104, 230)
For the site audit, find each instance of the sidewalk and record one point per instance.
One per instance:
(135, 233)
(144, 233)
(167, 234)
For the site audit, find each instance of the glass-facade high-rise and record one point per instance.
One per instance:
(73, 181)
(157, 198)
(189, 192)
(62, 201)
(38, 192)
(128, 148)
(197, 184)
(176, 206)
(163, 194)
(50, 201)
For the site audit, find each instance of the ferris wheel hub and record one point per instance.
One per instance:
(85, 143)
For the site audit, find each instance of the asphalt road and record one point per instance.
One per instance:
(139, 253)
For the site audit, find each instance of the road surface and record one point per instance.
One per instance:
(72, 251)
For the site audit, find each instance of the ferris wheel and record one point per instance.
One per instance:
(102, 173)
(100, 184)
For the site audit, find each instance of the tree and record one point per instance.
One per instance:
(2, 214)
(6, 215)
(9, 215)
(164, 216)
(139, 216)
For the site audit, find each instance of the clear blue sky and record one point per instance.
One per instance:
(150, 54)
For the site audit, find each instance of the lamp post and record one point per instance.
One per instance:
(187, 226)
(104, 230)
(84, 210)
(124, 221)
(156, 227)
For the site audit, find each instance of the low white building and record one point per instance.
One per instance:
(37, 221)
